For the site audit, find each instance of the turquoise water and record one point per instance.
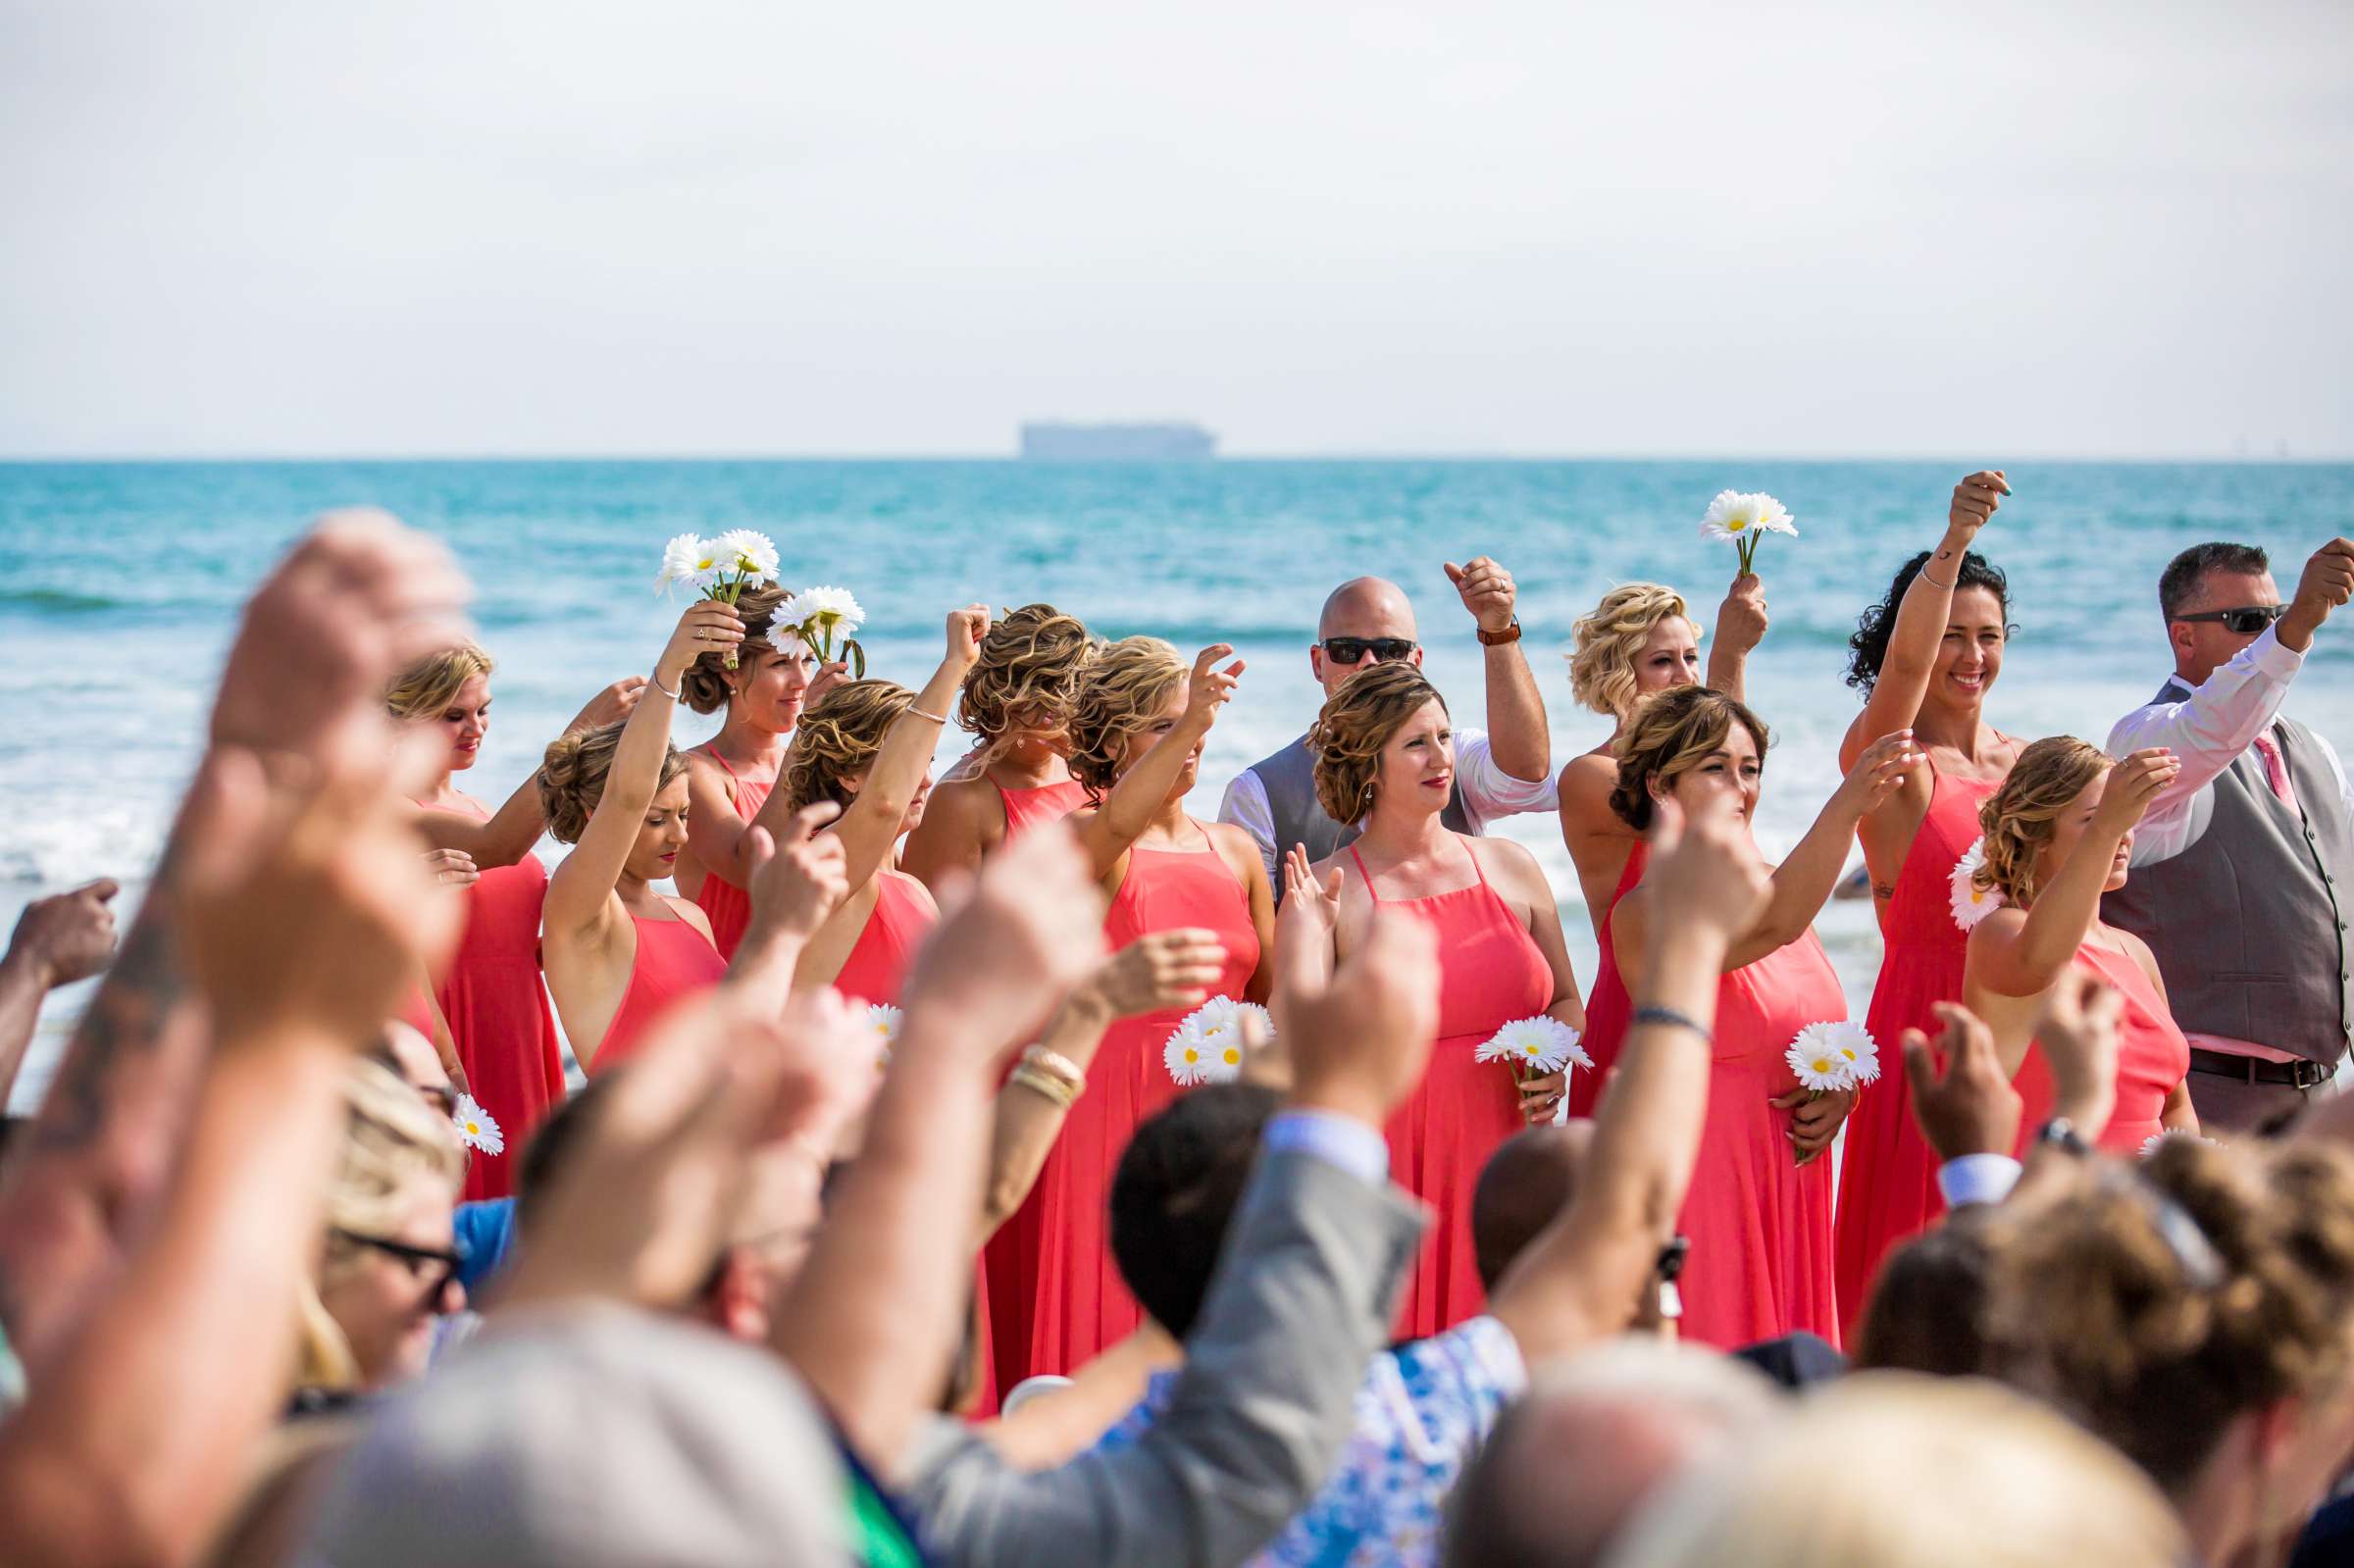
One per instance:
(118, 584)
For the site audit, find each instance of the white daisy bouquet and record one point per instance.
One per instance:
(827, 620)
(1746, 519)
(880, 1023)
(475, 1128)
(1207, 1048)
(1830, 1057)
(2150, 1145)
(719, 569)
(1536, 1046)
(1973, 903)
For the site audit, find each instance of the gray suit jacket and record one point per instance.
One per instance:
(1302, 1299)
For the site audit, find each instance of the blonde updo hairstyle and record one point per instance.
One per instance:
(2159, 1300)
(838, 736)
(1032, 662)
(705, 687)
(1606, 642)
(427, 687)
(1126, 686)
(1357, 722)
(572, 778)
(1667, 736)
(392, 1142)
(2018, 819)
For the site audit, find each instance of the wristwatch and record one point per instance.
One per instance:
(2060, 1134)
(1496, 640)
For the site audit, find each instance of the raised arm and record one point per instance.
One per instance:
(1903, 678)
(870, 825)
(514, 828)
(1129, 809)
(795, 884)
(1803, 881)
(1740, 626)
(2017, 954)
(1579, 1280)
(579, 889)
(58, 941)
(1519, 736)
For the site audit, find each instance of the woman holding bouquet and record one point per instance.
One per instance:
(616, 948)
(1017, 706)
(1639, 641)
(729, 777)
(1759, 1210)
(866, 746)
(1055, 1297)
(1924, 657)
(491, 1002)
(2059, 833)
(1383, 754)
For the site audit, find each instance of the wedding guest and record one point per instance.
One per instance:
(1925, 657)
(1017, 704)
(1385, 765)
(2242, 868)
(616, 948)
(1505, 769)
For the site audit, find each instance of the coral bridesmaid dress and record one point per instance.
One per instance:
(1033, 807)
(2152, 1057)
(896, 928)
(673, 960)
(1056, 1295)
(1609, 1009)
(729, 907)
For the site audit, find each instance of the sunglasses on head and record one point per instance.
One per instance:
(1350, 650)
(2244, 622)
(432, 1267)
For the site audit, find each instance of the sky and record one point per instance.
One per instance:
(259, 228)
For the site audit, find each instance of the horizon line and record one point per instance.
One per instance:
(1016, 460)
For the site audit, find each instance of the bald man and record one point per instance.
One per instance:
(1505, 769)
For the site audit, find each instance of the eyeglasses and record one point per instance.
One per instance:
(1352, 651)
(432, 1267)
(2244, 622)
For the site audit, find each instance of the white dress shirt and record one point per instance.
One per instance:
(2208, 728)
(1488, 792)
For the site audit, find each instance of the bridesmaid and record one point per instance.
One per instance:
(1639, 641)
(1384, 753)
(1055, 1297)
(2059, 833)
(491, 1003)
(1924, 657)
(866, 746)
(729, 777)
(1759, 1209)
(1017, 706)
(616, 948)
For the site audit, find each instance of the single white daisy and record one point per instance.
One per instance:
(785, 637)
(1821, 1065)
(686, 560)
(1187, 1056)
(1973, 903)
(1773, 516)
(1845, 1044)
(824, 614)
(476, 1128)
(881, 1024)
(1535, 1046)
(747, 555)
(1729, 517)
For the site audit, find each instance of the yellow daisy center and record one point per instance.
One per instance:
(1823, 1064)
(1234, 1057)
(1737, 524)
(1191, 1055)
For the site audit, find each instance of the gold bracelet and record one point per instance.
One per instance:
(1038, 1083)
(1056, 1065)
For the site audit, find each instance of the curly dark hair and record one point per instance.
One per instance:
(1869, 647)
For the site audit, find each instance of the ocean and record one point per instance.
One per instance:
(119, 584)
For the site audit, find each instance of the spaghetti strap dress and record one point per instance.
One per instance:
(1491, 974)
(673, 960)
(1038, 805)
(1888, 1172)
(902, 917)
(499, 1019)
(729, 907)
(1608, 1008)
(2152, 1057)
(1759, 1222)
(1056, 1295)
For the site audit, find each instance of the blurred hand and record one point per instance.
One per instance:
(1358, 1041)
(1486, 590)
(1880, 772)
(1158, 970)
(65, 936)
(1704, 873)
(451, 868)
(2076, 1029)
(1971, 1109)
(1975, 499)
(1310, 907)
(1541, 1095)
(1813, 1118)
(610, 706)
(828, 677)
(1031, 928)
(795, 884)
(1741, 619)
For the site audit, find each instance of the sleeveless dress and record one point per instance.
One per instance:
(1609, 1009)
(1761, 1264)
(673, 959)
(895, 928)
(499, 1014)
(2152, 1057)
(1036, 806)
(1888, 1172)
(1056, 1295)
(1491, 973)
(729, 907)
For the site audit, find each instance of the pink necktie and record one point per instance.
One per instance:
(2275, 770)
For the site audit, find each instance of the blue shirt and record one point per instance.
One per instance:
(484, 1230)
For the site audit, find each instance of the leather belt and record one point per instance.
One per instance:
(2256, 1070)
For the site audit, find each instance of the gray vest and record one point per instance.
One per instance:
(1289, 779)
(2249, 923)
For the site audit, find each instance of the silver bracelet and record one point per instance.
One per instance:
(935, 718)
(655, 681)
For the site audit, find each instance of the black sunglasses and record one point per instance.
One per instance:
(1350, 650)
(432, 1267)
(2244, 622)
